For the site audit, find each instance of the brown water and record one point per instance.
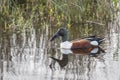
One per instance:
(26, 56)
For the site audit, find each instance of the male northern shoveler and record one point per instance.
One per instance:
(87, 43)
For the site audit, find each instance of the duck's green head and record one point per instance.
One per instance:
(61, 32)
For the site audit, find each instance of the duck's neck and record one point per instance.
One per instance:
(65, 38)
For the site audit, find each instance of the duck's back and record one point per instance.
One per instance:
(81, 44)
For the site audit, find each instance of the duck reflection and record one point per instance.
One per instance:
(65, 52)
(63, 62)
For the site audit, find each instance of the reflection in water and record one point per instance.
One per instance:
(20, 58)
(26, 56)
(63, 62)
(65, 52)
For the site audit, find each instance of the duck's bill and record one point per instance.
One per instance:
(56, 35)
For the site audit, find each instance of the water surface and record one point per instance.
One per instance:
(26, 56)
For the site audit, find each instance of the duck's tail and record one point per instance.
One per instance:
(94, 39)
(100, 40)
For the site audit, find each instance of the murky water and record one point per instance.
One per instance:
(26, 56)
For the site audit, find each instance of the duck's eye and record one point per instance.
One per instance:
(61, 32)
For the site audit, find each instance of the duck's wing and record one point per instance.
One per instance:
(87, 38)
(92, 36)
(99, 40)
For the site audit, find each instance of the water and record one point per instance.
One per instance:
(26, 56)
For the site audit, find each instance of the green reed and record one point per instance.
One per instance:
(24, 14)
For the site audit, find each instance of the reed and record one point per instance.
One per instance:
(24, 14)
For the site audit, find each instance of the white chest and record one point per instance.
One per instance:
(66, 45)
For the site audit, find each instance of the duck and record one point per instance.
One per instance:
(85, 44)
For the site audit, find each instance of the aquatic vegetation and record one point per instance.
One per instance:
(24, 14)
